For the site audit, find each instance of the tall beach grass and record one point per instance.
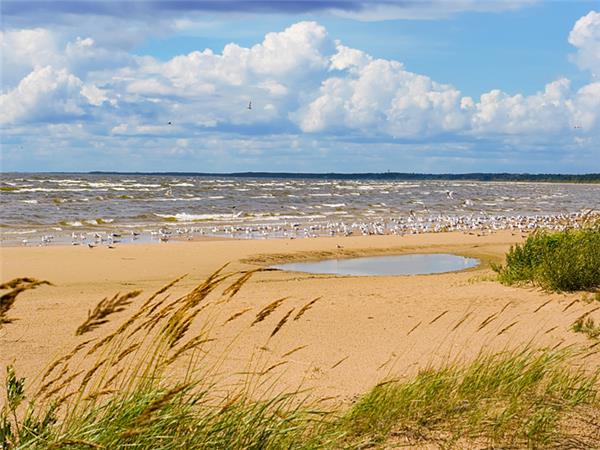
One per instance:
(148, 384)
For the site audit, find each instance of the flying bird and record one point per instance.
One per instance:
(249, 105)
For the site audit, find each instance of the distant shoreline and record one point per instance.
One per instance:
(593, 178)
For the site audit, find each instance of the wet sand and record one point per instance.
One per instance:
(361, 330)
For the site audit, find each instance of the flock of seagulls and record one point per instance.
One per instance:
(406, 225)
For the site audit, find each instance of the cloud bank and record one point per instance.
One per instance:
(49, 11)
(309, 94)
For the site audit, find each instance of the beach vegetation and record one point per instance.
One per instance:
(587, 326)
(149, 381)
(566, 260)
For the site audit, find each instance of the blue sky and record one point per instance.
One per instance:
(349, 86)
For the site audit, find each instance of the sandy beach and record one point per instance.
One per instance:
(361, 330)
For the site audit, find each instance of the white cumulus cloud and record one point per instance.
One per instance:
(544, 112)
(380, 96)
(300, 81)
(46, 95)
(585, 35)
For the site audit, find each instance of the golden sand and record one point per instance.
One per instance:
(360, 331)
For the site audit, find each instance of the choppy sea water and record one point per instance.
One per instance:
(97, 209)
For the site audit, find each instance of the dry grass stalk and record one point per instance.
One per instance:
(384, 383)
(570, 304)
(413, 328)
(195, 342)
(90, 373)
(487, 321)
(162, 290)
(154, 319)
(64, 359)
(282, 322)
(158, 305)
(229, 403)
(595, 344)
(179, 324)
(180, 321)
(64, 398)
(274, 366)
(17, 282)
(503, 330)
(47, 385)
(390, 359)
(146, 305)
(297, 349)
(268, 310)
(105, 340)
(236, 315)
(205, 288)
(439, 316)
(152, 408)
(128, 350)
(542, 305)
(504, 307)
(128, 322)
(550, 330)
(306, 308)
(584, 315)
(94, 395)
(340, 361)
(105, 308)
(113, 378)
(461, 321)
(587, 355)
(65, 383)
(235, 287)
(17, 285)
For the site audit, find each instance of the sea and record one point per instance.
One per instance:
(99, 209)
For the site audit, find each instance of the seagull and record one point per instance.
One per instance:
(250, 105)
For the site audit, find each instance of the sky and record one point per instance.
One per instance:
(431, 86)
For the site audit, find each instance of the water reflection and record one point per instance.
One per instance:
(414, 264)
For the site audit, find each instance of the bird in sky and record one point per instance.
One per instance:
(249, 105)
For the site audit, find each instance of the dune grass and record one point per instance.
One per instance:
(556, 261)
(588, 327)
(516, 399)
(123, 389)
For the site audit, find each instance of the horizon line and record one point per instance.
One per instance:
(387, 174)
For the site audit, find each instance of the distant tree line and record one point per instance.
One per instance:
(525, 177)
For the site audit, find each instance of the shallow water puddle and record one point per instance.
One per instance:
(413, 264)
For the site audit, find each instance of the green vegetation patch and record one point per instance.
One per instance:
(557, 261)
(588, 327)
(514, 399)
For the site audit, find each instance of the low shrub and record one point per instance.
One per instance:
(557, 261)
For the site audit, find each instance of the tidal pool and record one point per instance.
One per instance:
(413, 264)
